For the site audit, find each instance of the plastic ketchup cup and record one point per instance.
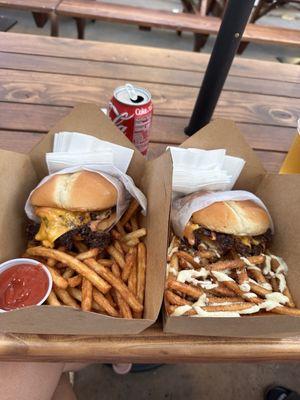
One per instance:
(23, 282)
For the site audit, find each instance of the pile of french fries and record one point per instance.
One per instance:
(113, 284)
(238, 287)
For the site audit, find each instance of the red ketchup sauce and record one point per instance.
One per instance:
(22, 285)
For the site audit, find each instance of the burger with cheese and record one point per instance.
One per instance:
(228, 229)
(82, 204)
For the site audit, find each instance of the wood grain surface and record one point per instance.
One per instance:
(176, 21)
(31, 5)
(41, 78)
(150, 346)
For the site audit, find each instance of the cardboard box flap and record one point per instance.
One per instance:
(67, 321)
(17, 178)
(224, 134)
(88, 119)
(156, 184)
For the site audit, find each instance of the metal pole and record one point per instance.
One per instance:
(235, 19)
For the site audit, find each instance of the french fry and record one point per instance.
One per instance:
(110, 299)
(120, 229)
(222, 290)
(123, 306)
(176, 300)
(118, 246)
(75, 281)
(134, 223)
(58, 280)
(132, 280)
(259, 290)
(76, 293)
(235, 307)
(190, 290)
(130, 259)
(115, 234)
(127, 227)
(141, 272)
(105, 262)
(117, 256)
(189, 258)
(73, 263)
(134, 235)
(131, 243)
(87, 295)
(69, 272)
(101, 300)
(257, 275)
(242, 276)
(131, 210)
(274, 284)
(51, 262)
(106, 223)
(52, 300)
(238, 263)
(119, 285)
(288, 294)
(92, 253)
(218, 300)
(65, 297)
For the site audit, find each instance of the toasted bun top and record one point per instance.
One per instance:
(241, 218)
(80, 191)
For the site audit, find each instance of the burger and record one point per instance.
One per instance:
(228, 229)
(81, 206)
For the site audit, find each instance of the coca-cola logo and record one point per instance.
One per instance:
(143, 110)
(119, 117)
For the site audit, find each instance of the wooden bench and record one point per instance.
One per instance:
(90, 9)
(39, 9)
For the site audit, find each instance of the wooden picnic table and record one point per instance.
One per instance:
(42, 78)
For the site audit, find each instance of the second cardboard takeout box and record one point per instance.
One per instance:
(20, 174)
(281, 195)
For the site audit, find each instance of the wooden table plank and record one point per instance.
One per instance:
(138, 55)
(139, 73)
(150, 346)
(32, 5)
(65, 90)
(179, 22)
(39, 118)
(23, 142)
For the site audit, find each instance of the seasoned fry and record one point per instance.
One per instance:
(134, 235)
(134, 223)
(259, 290)
(188, 257)
(222, 290)
(130, 259)
(132, 280)
(58, 280)
(52, 300)
(118, 246)
(105, 262)
(123, 306)
(190, 290)
(141, 272)
(242, 276)
(119, 285)
(73, 263)
(238, 263)
(87, 295)
(92, 253)
(120, 229)
(117, 256)
(76, 293)
(65, 297)
(100, 299)
(288, 294)
(110, 299)
(173, 298)
(69, 272)
(257, 275)
(131, 210)
(217, 300)
(51, 262)
(75, 281)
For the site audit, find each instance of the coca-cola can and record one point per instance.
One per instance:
(131, 111)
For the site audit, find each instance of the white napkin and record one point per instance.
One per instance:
(196, 169)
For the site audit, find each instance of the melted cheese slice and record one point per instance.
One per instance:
(55, 222)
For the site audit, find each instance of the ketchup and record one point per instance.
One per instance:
(22, 285)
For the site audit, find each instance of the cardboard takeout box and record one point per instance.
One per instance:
(20, 174)
(281, 194)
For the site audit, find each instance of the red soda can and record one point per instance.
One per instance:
(131, 111)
